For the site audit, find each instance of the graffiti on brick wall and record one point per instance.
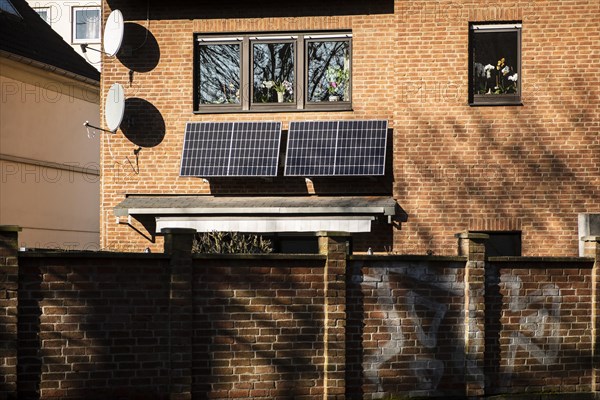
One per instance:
(539, 334)
(428, 371)
(373, 362)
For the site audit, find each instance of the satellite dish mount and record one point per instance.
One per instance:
(114, 109)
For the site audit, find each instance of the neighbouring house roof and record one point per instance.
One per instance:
(30, 38)
(259, 214)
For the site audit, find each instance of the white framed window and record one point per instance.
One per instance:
(43, 12)
(86, 24)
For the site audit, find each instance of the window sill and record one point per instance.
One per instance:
(516, 104)
(271, 110)
(495, 100)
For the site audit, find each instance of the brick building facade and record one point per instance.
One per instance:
(526, 167)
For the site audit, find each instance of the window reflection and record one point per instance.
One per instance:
(220, 74)
(328, 71)
(87, 24)
(273, 72)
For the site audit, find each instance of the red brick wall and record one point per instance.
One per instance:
(258, 329)
(99, 327)
(9, 274)
(93, 327)
(169, 88)
(405, 328)
(117, 326)
(540, 335)
(455, 167)
(529, 168)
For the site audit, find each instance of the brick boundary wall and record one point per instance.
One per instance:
(9, 266)
(329, 326)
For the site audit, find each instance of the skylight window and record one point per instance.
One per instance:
(7, 7)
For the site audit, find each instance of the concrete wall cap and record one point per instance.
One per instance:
(590, 238)
(10, 228)
(333, 234)
(471, 235)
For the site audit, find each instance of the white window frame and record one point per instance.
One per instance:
(74, 11)
(48, 11)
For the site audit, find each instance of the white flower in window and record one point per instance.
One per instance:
(514, 77)
(505, 70)
(488, 70)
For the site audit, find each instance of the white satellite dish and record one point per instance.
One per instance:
(114, 107)
(113, 33)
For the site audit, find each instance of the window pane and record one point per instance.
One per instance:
(220, 74)
(328, 71)
(273, 72)
(495, 63)
(43, 12)
(87, 24)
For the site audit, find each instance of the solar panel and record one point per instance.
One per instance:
(336, 148)
(213, 149)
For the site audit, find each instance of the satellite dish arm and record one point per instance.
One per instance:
(88, 125)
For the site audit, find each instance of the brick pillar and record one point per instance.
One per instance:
(472, 245)
(333, 245)
(9, 282)
(591, 248)
(178, 243)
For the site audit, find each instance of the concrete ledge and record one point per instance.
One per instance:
(10, 228)
(268, 256)
(471, 235)
(405, 257)
(90, 254)
(509, 396)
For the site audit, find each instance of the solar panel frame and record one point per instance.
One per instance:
(353, 148)
(231, 149)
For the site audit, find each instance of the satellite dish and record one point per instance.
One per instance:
(113, 33)
(114, 107)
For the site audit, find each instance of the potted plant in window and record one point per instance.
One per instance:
(337, 83)
(499, 79)
(281, 88)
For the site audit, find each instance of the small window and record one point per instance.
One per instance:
(283, 72)
(502, 243)
(86, 24)
(495, 64)
(43, 12)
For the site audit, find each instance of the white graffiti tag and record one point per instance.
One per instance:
(372, 362)
(540, 324)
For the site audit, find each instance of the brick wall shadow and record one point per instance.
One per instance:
(93, 328)
(257, 329)
(29, 364)
(355, 323)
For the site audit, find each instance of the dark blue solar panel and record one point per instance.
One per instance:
(213, 149)
(311, 148)
(336, 148)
